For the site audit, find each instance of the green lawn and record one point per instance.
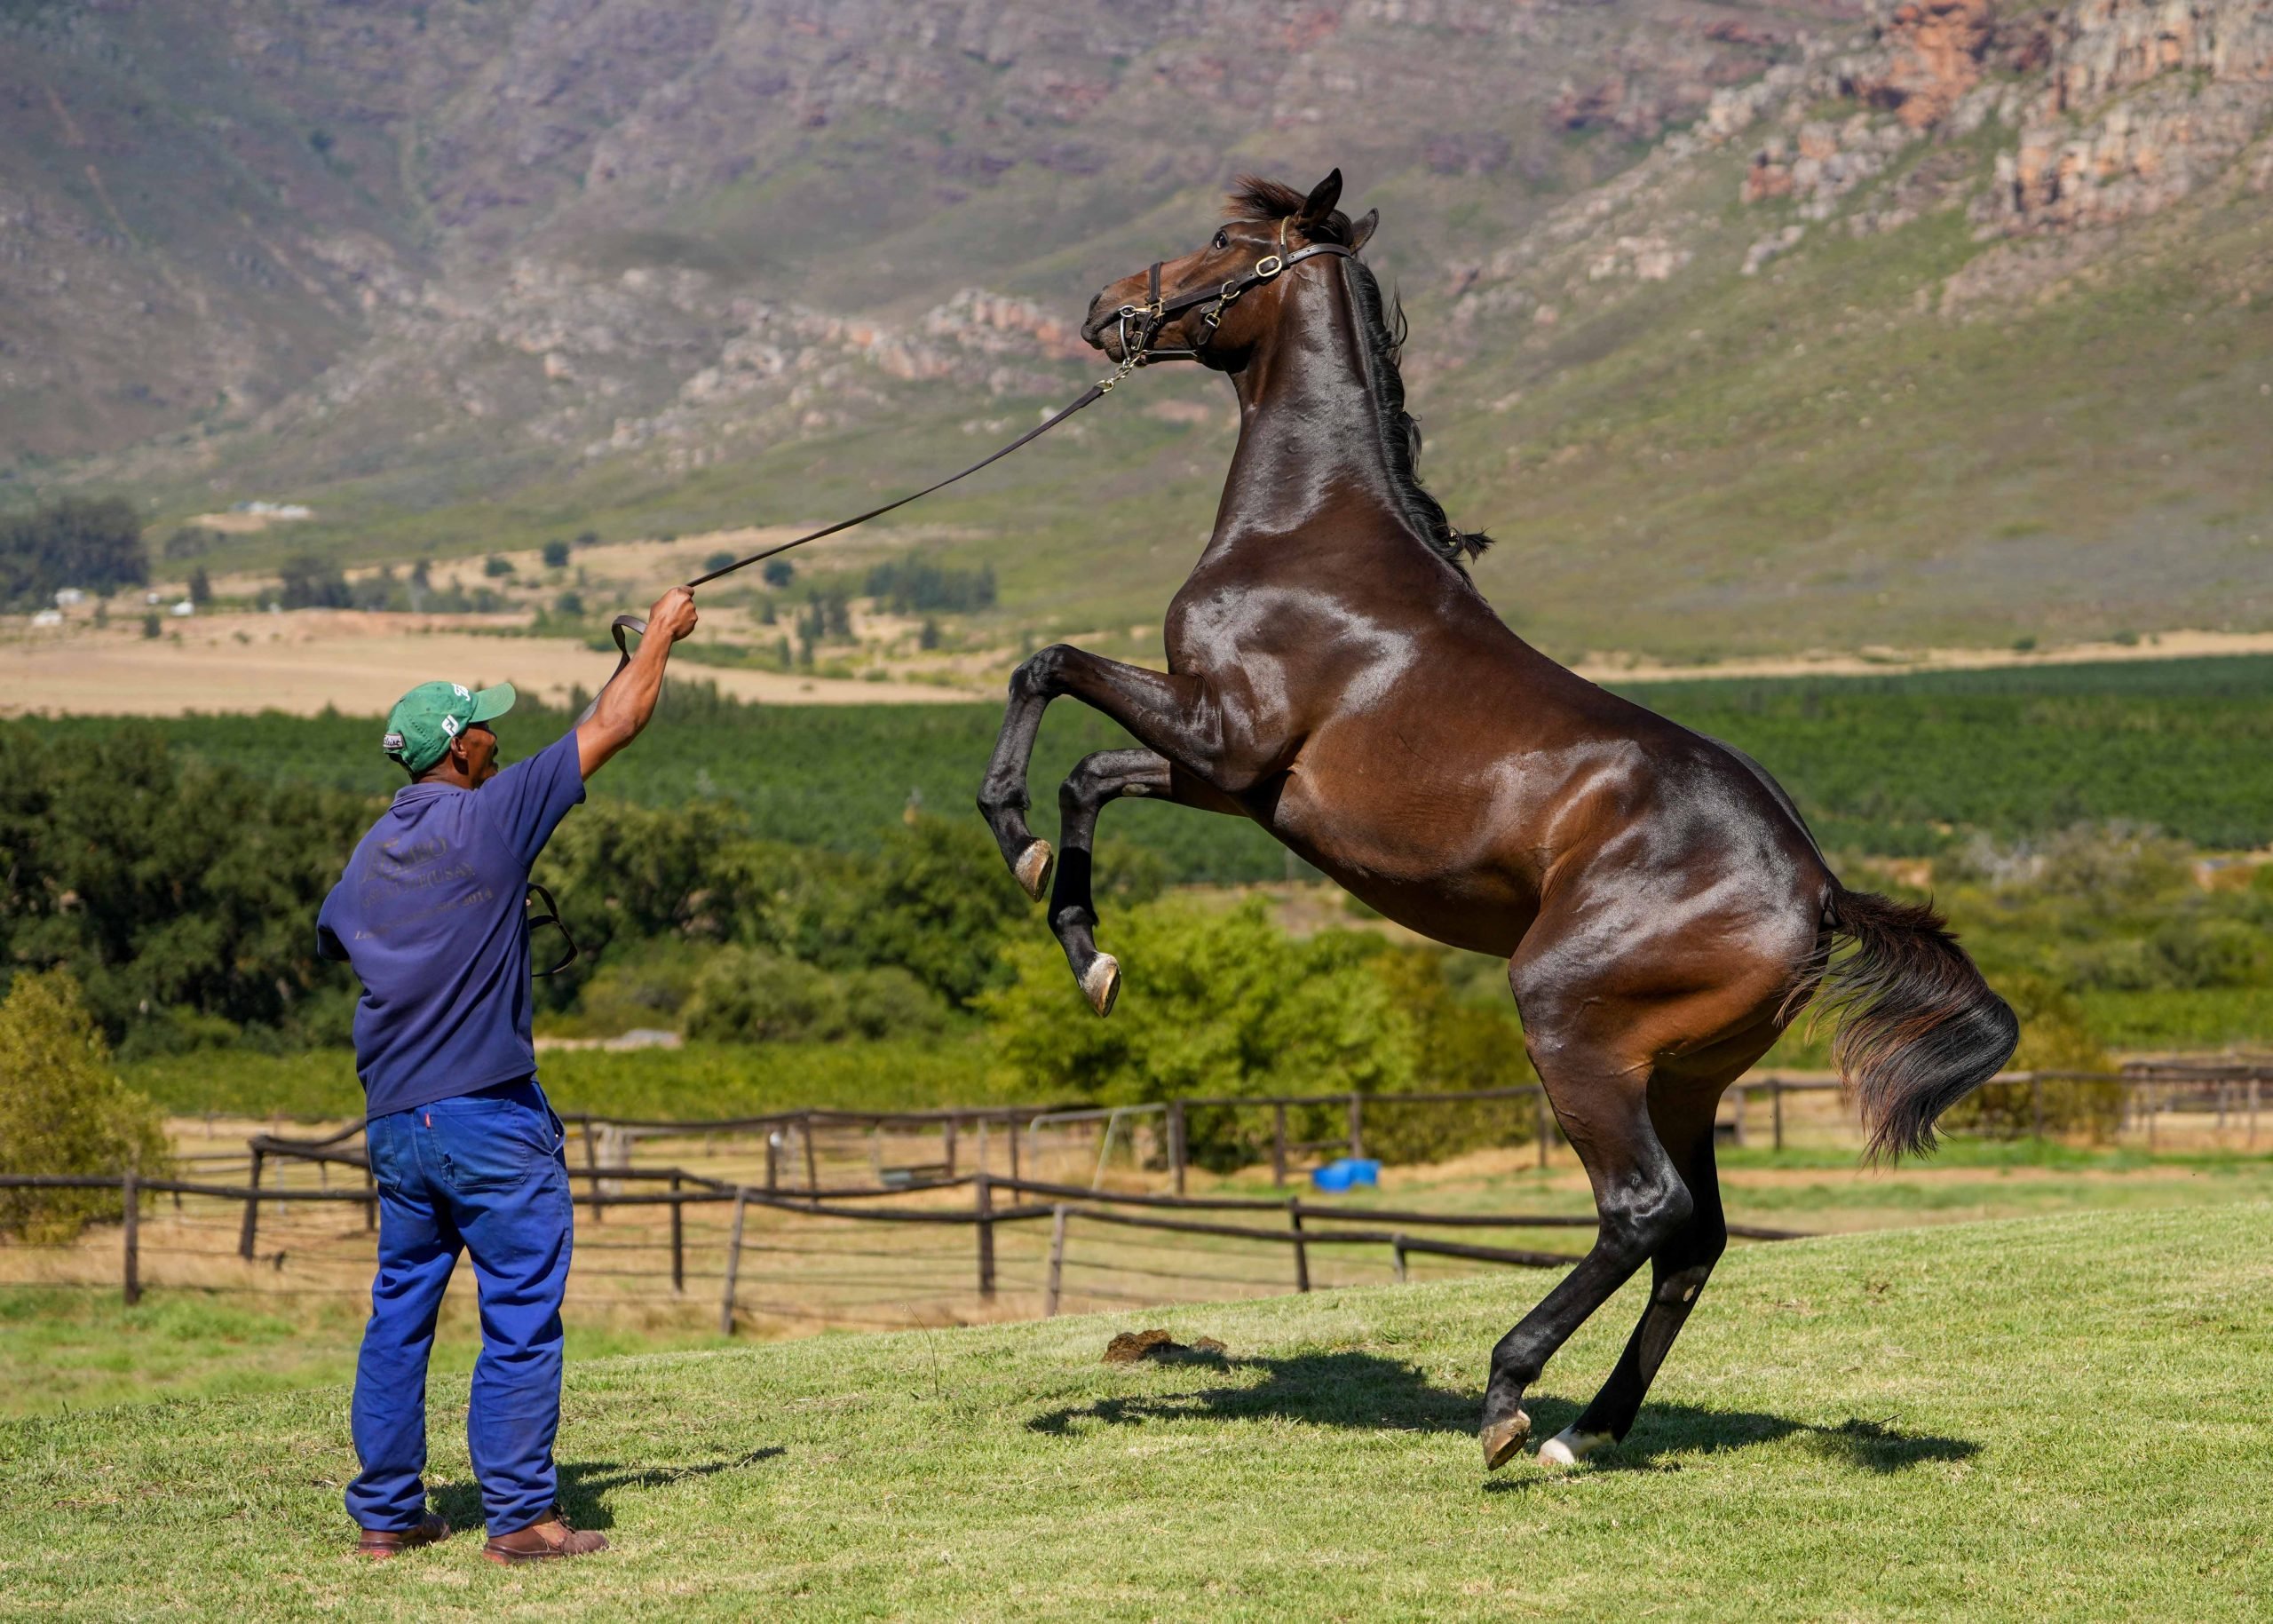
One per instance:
(2022, 1420)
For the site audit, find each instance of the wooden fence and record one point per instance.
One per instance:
(996, 1204)
(835, 1173)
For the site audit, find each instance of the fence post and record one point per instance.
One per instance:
(2036, 1106)
(812, 1167)
(129, 1189)
(983, 1193)
(1397, 1258)
(1278, 1144)
(678, 1240)
(1175, 1142)
(1776, 1108)
(1545, 1118)
(1357, 1126)
(1301, 1247)
(592, 1167)
(252, 1211)
(982, 1143)
(1738, 1093)
(733, 1266)
(1014, 1150)
(948, 1151)
(1056, 1261)
(772, 1159)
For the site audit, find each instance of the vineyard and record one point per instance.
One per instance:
(1886, 765)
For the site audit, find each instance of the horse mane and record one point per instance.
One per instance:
(1382, 320)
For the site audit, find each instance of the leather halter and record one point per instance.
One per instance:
(1141, 324)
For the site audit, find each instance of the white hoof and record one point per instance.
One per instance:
(1033, 869)
(1570, 1447)
(1102, 983)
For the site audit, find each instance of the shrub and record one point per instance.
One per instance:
(1219, 1003)
(496, 565)
(750, 996)
(63, 1111)
(556, 555)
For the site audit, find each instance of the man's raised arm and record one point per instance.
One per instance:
(627, 701)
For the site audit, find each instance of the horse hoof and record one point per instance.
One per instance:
(1504, 1440)
(1570, 1447)
(1033, 869)
(1101, 981)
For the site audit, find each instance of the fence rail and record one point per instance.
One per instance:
(799, 1188)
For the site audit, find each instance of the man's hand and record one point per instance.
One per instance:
(673, 616)
(628, 700)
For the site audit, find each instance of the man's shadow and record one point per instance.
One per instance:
(585, 1486)
(1364, 1390)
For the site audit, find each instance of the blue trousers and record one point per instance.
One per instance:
(484, 1173)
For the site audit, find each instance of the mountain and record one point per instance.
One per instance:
(1741, 326)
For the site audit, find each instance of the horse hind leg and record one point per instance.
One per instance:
(1601, 1098)
(1679, 1270)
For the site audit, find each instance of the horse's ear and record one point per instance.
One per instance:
(1320, 202)
(1362, 232)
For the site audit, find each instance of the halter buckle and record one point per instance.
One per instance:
(1270, 265)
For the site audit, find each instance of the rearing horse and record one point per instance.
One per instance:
(1334, 674)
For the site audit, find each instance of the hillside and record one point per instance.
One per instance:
(1742, 327)
(2017, 1419)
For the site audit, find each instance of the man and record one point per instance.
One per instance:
(464, 1148)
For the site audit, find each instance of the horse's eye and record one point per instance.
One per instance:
(1223, 239)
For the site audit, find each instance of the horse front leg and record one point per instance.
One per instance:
(1108, 775)
(1173, 716)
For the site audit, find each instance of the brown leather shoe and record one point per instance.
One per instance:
(546, 1538)
(380, 1543)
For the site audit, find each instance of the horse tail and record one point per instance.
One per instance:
(1918, 1029)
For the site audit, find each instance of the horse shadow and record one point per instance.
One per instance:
(585, 1486)
(1369, 1393)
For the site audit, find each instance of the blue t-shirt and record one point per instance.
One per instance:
(429, 914)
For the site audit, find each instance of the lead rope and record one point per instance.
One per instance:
(1154, 313)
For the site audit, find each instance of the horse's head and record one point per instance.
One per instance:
(1213, 304)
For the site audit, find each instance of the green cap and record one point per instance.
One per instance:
(424, 720)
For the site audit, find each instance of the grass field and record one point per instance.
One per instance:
(2010, 1420)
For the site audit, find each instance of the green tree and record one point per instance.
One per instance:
(168, 886)
(308, 580)
(95, 544)
(201, 587)
(63, 1111)
(556, 555)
